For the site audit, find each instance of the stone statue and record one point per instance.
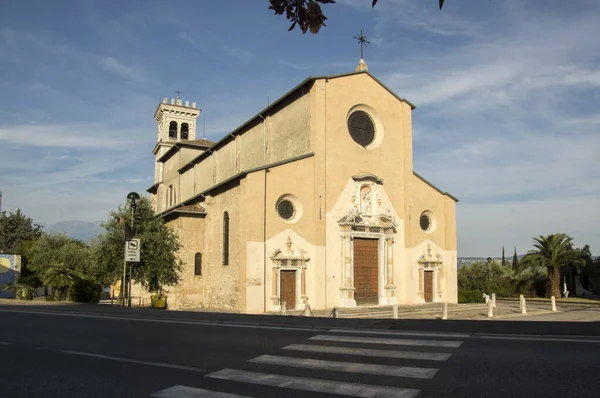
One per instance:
(366, 202)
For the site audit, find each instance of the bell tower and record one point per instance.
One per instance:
(176, 122)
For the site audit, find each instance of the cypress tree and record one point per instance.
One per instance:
(515, 263)
(503, 259)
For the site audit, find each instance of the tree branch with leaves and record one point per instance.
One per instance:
(307, 14)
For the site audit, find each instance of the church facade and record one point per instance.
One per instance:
(313, 200)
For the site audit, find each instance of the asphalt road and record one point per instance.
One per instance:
(101, 351)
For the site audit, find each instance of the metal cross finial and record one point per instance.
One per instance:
(362, 39)
(178, 93)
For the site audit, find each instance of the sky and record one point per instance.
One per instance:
(507, 95)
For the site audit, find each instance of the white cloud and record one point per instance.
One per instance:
(187, 38)
(127, 72)
(65, 136)
(240, 54)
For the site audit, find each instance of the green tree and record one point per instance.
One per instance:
(552, 252)
(15, 229)
(52, 249)
(158, 266)
(515, 261)
(59, 277)
(307, 14)
(503, 258)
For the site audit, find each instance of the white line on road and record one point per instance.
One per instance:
(564, 340)
(5, 343)
(191, 392)
(402, 333)
(369, 352)
(159, 364)
(368, 368)
(315, 385)
(171, 321)
(377, 340)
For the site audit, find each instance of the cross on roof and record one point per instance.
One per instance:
(178, 93)
(362, 39)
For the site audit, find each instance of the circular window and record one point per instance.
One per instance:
(425, 222)
(361, 127)
(286, 209)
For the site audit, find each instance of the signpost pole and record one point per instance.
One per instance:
(124, 276)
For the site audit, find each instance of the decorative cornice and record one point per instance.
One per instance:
(368, 177)
(290, 254)
(430, 258)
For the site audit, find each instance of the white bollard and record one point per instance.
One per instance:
(307, 311)
(494, 300)
(490, 309)
(553, 299)
(395, 311)
(445, 311)
(524, 307)
(521, 298)
(487, 298)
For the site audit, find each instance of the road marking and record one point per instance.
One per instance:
(6, 343)
(159, 364)
(377, 340)
(565, 340)
(385, 370)
(315, 385)
(227, 324)
(368, 352)
(402, 333)
(191, 392)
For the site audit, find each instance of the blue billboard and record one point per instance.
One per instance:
(9, 268)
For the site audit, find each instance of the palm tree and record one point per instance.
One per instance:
(552, 252)
(59, 277)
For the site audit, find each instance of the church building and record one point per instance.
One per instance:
(313, 200)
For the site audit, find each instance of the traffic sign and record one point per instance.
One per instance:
(132, 250)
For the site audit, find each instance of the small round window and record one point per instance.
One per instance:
(425, 222)
(286, 209)
(361, 128)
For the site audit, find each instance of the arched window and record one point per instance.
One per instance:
(173, 130)
(225, 238)
(198, 264)
(184, 131)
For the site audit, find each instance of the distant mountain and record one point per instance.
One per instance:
(77, 229)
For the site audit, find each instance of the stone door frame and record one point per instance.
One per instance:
(429, 263)
(386, 291)
(434, 282)
(289, 260)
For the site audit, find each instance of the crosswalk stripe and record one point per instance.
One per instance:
(315, 385)
(385, 370)
(402, 333)
(378, 340)
(191, 392)
(368, 352)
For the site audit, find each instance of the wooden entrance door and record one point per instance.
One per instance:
(288, 288)
(366, 271)
(428, 286)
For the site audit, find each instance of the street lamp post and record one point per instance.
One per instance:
(133, 198)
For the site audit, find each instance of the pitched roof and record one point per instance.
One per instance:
(189, 210)
(434, 187)
(308, 80)
(202, 143)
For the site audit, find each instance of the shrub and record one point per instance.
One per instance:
(470, 296)
(25, 292)
(85, 291)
